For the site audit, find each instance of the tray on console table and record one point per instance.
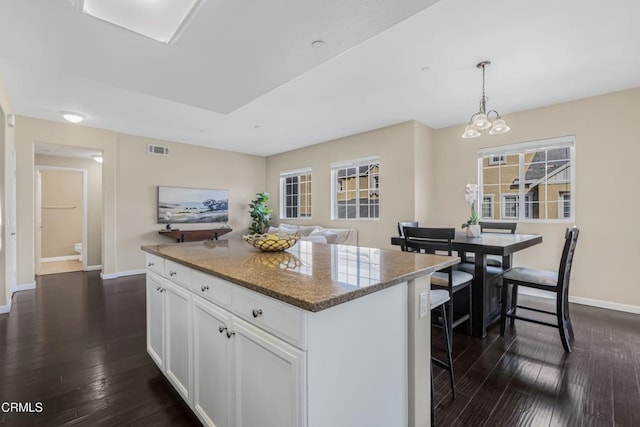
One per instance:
(195, 235)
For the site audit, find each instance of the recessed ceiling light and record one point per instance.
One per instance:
(257, 126)
(160, 20)
(72, 117)
(318, 44)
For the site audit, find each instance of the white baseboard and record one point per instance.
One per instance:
(61, 258)
(5, 308)
(108, 276)
(583, 301)
(25, 287)
(606, 304)
(93, 267)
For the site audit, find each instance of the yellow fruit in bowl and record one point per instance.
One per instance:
(272, 237)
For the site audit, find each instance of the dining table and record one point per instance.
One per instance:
(485, 289)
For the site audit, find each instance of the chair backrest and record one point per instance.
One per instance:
(498, 227)
(403, 224)
(564, 272)
(429, 240)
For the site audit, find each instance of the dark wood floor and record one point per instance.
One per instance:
(526, 379)
(78, 346)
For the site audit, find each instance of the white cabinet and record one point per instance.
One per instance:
(242, 359)
(244, 376)
(212, 364)
(177, 335)
(270, 380)
(155, 319)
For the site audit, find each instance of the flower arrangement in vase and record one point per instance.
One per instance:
(471, 196)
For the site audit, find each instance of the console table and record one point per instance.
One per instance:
(195, 235)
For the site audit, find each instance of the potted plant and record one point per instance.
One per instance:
(260, 214)
(471, 196)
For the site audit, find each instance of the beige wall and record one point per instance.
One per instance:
(140, 173)
(30, 130)
(607, 153)
(396, 145)
(94, 200)
(62, 210)
(130, 177)
(7, 144)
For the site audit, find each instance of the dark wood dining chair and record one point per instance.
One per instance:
(556, 282)
(401, 226)
(439, 241)
(439, 299)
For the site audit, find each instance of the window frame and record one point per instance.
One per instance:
(335, 190)
(525, 202)
(298, 173)
(491, 196)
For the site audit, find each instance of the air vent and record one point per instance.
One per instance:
(158, 149)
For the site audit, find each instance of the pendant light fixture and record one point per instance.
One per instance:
(483, 120)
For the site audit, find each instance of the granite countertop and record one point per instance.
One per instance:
(311, 276)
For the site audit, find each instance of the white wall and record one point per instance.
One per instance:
(7, 143)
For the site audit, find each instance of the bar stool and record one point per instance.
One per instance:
(439, 300)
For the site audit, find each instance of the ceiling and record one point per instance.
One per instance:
(243, 76)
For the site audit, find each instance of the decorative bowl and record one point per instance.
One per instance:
(272, 242)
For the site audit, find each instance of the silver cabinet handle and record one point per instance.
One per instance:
(172, 273)
(13, 234)
(150, 264)
(230, 334)
(222, 328)
(204, 288)
(158, 288)
(162, 290)
(257, 312)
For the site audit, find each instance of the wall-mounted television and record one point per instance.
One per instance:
(177, 205)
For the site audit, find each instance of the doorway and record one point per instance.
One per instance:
(68, 206)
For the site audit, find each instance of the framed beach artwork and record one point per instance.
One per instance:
(178, 205)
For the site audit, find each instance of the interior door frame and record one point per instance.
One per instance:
(38, 212)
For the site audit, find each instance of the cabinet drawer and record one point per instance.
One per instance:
(155, 263)
(177, 273)
(211, 288)
(282, 320)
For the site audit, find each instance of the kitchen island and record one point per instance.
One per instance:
(318, 335)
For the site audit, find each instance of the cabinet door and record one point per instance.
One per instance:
(155, 319)
(212, 363)
(270, 380)
(178, 338)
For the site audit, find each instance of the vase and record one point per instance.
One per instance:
(473, 230)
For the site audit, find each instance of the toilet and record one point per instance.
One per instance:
(78, 248)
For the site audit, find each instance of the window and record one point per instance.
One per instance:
(565, 203)
(533, 180)
(496, 160)
(487, 206)
(356, 189)
(295, 194)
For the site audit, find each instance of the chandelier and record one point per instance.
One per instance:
(483, 120)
